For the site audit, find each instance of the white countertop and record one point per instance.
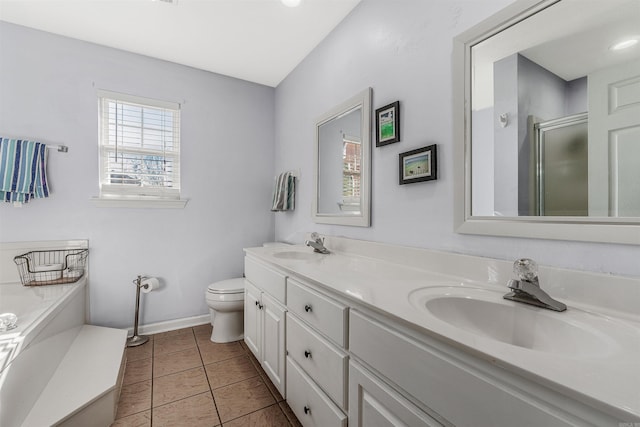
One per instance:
(386, 278)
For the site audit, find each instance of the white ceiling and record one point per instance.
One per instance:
(571, 39)
(576, 37)
(256, 40)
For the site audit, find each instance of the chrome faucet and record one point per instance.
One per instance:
(317, 243)
(527, 288)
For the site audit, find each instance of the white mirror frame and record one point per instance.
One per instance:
(364, 219)
(611, 230)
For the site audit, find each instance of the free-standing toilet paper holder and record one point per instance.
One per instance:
(136, 339)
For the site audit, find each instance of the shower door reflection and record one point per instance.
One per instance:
(561, 165)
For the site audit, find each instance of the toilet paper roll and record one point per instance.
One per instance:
(149, 284)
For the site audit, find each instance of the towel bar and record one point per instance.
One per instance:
(60, 148)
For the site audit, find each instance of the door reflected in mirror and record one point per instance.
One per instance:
(342, 163)
(555, 114)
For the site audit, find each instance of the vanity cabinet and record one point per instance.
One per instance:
(264, 319)
(454, 386)
(374, 403)
(317, 361)
(348, 361)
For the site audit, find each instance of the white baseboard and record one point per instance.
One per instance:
(171, 325)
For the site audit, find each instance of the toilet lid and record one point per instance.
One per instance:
(230, 286)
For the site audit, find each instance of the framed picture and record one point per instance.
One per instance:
(419, 165)
(388, 124)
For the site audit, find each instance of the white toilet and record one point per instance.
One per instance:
(226, 305)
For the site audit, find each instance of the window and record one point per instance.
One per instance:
(139, 147)
(351, 173)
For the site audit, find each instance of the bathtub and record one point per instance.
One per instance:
(37, 308)
(49, 319)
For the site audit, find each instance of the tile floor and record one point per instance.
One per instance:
(181, 378)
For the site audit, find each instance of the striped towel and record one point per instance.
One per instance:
(284, 192)
(23, 166)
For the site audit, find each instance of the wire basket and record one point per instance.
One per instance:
(52, 267)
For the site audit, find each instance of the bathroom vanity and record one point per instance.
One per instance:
(375, 334)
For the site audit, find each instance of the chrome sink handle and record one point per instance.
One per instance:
(527, 289)
(526, 269)
(317, 243)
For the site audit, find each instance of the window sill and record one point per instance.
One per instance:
(103, 202)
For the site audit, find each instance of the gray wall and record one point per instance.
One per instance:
(482, 173)
(505, 152)
(48, 92)
(403, 50)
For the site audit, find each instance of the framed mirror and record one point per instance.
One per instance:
(547, 122)
(342, 187)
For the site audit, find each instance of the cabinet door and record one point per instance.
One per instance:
(273, 341)
(252, 321)
(374, 404)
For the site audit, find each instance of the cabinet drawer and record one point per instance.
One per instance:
(326, 315)
(446, 384)
(311, 406)
(266, 278)
(320, 359)
(374, 403)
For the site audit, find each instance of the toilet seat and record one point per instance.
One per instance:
(226, 290)
(230, 286)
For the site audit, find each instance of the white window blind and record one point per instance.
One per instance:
(139, 147)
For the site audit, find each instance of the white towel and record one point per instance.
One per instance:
(284, 192)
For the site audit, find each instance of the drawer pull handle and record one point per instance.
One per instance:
(307, 308)
(307, 410)
(307, 354)
(257, 303)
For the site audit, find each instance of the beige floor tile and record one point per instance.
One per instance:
(134, 398)
(137, 370)
(171, 344)
(170, 363)
(289, 414)
(272, 388)
(195, 411)
(258, 366)
(179, 386)
(241, 398)
(254, 360)
(230, 371)
(174, 333)
(141, 419)
(203, 330)
(215, 352)
(274, 391)
(143, 351)
(267, 417)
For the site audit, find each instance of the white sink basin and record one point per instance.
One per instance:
(484, 313)
(302, 256)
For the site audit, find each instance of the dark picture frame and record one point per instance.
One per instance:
(418, 165)
(388, 124)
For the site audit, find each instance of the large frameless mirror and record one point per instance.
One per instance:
(342, 163)
(548, 122)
